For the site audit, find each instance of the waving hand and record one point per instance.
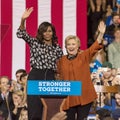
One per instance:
(27, 13)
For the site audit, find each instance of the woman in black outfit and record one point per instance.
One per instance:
(44, 52)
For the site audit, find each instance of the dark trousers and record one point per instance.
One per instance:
(79, 112)
(35, 106)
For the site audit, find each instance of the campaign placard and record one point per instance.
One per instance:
(54, 87)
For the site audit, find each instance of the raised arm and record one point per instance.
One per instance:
(118, 8)
(21, 31)
(104, 5)
(97, 45)
(114, 3)
(92, 5)
(25, 15)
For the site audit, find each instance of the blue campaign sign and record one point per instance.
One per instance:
(54, 87)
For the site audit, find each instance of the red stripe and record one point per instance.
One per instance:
(57, 18)
(6, 43)
(82, 22)
(31, 26)
(0, 38)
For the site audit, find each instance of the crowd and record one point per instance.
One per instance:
(104, 65)
(13, 98)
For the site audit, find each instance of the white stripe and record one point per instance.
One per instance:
(18, 48)
(44, 11)
(69, 19)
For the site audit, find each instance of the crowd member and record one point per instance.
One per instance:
(112, 6)
(18, 73)
(109, 34)
(107, 74)
(115, 24)
(102, 101)
(108, 15)
(102, 114)
(103, 75)
(117, 98)
(44, 51)
(114, 50)
(116, 80)
(6, 101)
(23, 114)
(20, 103)
(117, 7)
(95, 78)
(116, 112)
(98, 60)
(98, 9)
(14, 86)
(75, 66)
(114, 72)
(23, 78)
(23, 81)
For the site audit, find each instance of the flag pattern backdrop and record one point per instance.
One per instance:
(68, 17)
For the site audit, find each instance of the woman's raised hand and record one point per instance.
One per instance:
(27, 13)
(102, 27)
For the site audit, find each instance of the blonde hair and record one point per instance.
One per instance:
(19, 93)
(72, 37)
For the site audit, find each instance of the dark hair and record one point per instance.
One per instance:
(107, 64)
(23, 75)
(25, 108)
(20, 71)
(103, 113)
(115, 14)
(43, 28)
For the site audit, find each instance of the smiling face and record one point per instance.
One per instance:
(47, 35)
(72, 45)
(107, 72)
